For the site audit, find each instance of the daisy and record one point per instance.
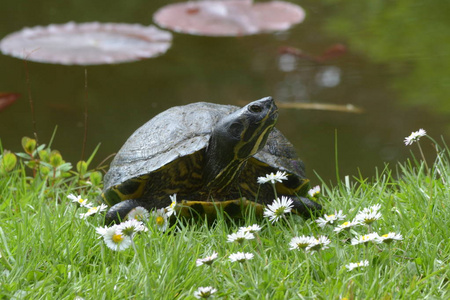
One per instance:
(314, 192)
(94, 210)
(138, 213)
(415, 137)
(330, 218)
(161, 219)
(272, 178)
(207, 260)
(372, 209)
(170, 210)
(131, 227)
(362, 239)
(252, 228)
(363, 263)
(346, 225)
(101, 231)
(367, 217)
(240, 256)
(114, 239)
(240, 237)
(301, 242)
(278, 208)
(79, 200)
(204, 292)
(318, 244)
(390, 237)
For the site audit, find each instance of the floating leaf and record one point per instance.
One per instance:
(229, 18)
(87, 43)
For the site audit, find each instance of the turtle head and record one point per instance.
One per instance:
(244, 132)
(236, 137)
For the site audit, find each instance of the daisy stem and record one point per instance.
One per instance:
(324, 269)
(366, 251)
(214, 275)
(247, 266)
(274, 190)
(289, 224)
(390, 259)
(423, 158)
(136, 255)
(260, 248)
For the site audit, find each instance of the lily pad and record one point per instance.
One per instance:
(229, 17)
(87, 43)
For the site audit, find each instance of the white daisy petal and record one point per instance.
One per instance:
(204, 292)
(240, 257)
(415, 136)
(390, 237)
(362, 239)
(351, 266)
(80, 200)
(240, 236)
(278, 208)
(314, 192)
(93, 210)
(161, 219)
(346, 225)
(252, 228)
(329, 219)
(131, 227)
(114, 239)
(207, 260)
(138, 213)
(301, 242)
(170, 210)
(320, 243)
(272, 178)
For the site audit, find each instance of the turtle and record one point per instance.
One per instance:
(210, 155)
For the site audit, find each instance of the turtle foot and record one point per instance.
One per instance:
(118, 212)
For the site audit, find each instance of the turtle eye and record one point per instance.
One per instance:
(255, 108)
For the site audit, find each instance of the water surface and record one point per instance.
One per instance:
(396, 68)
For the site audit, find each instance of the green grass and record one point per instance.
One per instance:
(48, 252)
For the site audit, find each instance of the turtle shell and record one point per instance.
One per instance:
(181, 134)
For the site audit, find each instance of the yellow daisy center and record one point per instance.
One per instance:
(160, 220)
(117, 238)
(345, 224)
(331, 216)
(385, 235)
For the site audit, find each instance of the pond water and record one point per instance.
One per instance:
(396, 68)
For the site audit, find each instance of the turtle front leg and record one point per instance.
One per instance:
(305, 207)
(118, 212)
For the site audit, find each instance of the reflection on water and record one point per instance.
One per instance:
(410, 38)
(386, 70)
